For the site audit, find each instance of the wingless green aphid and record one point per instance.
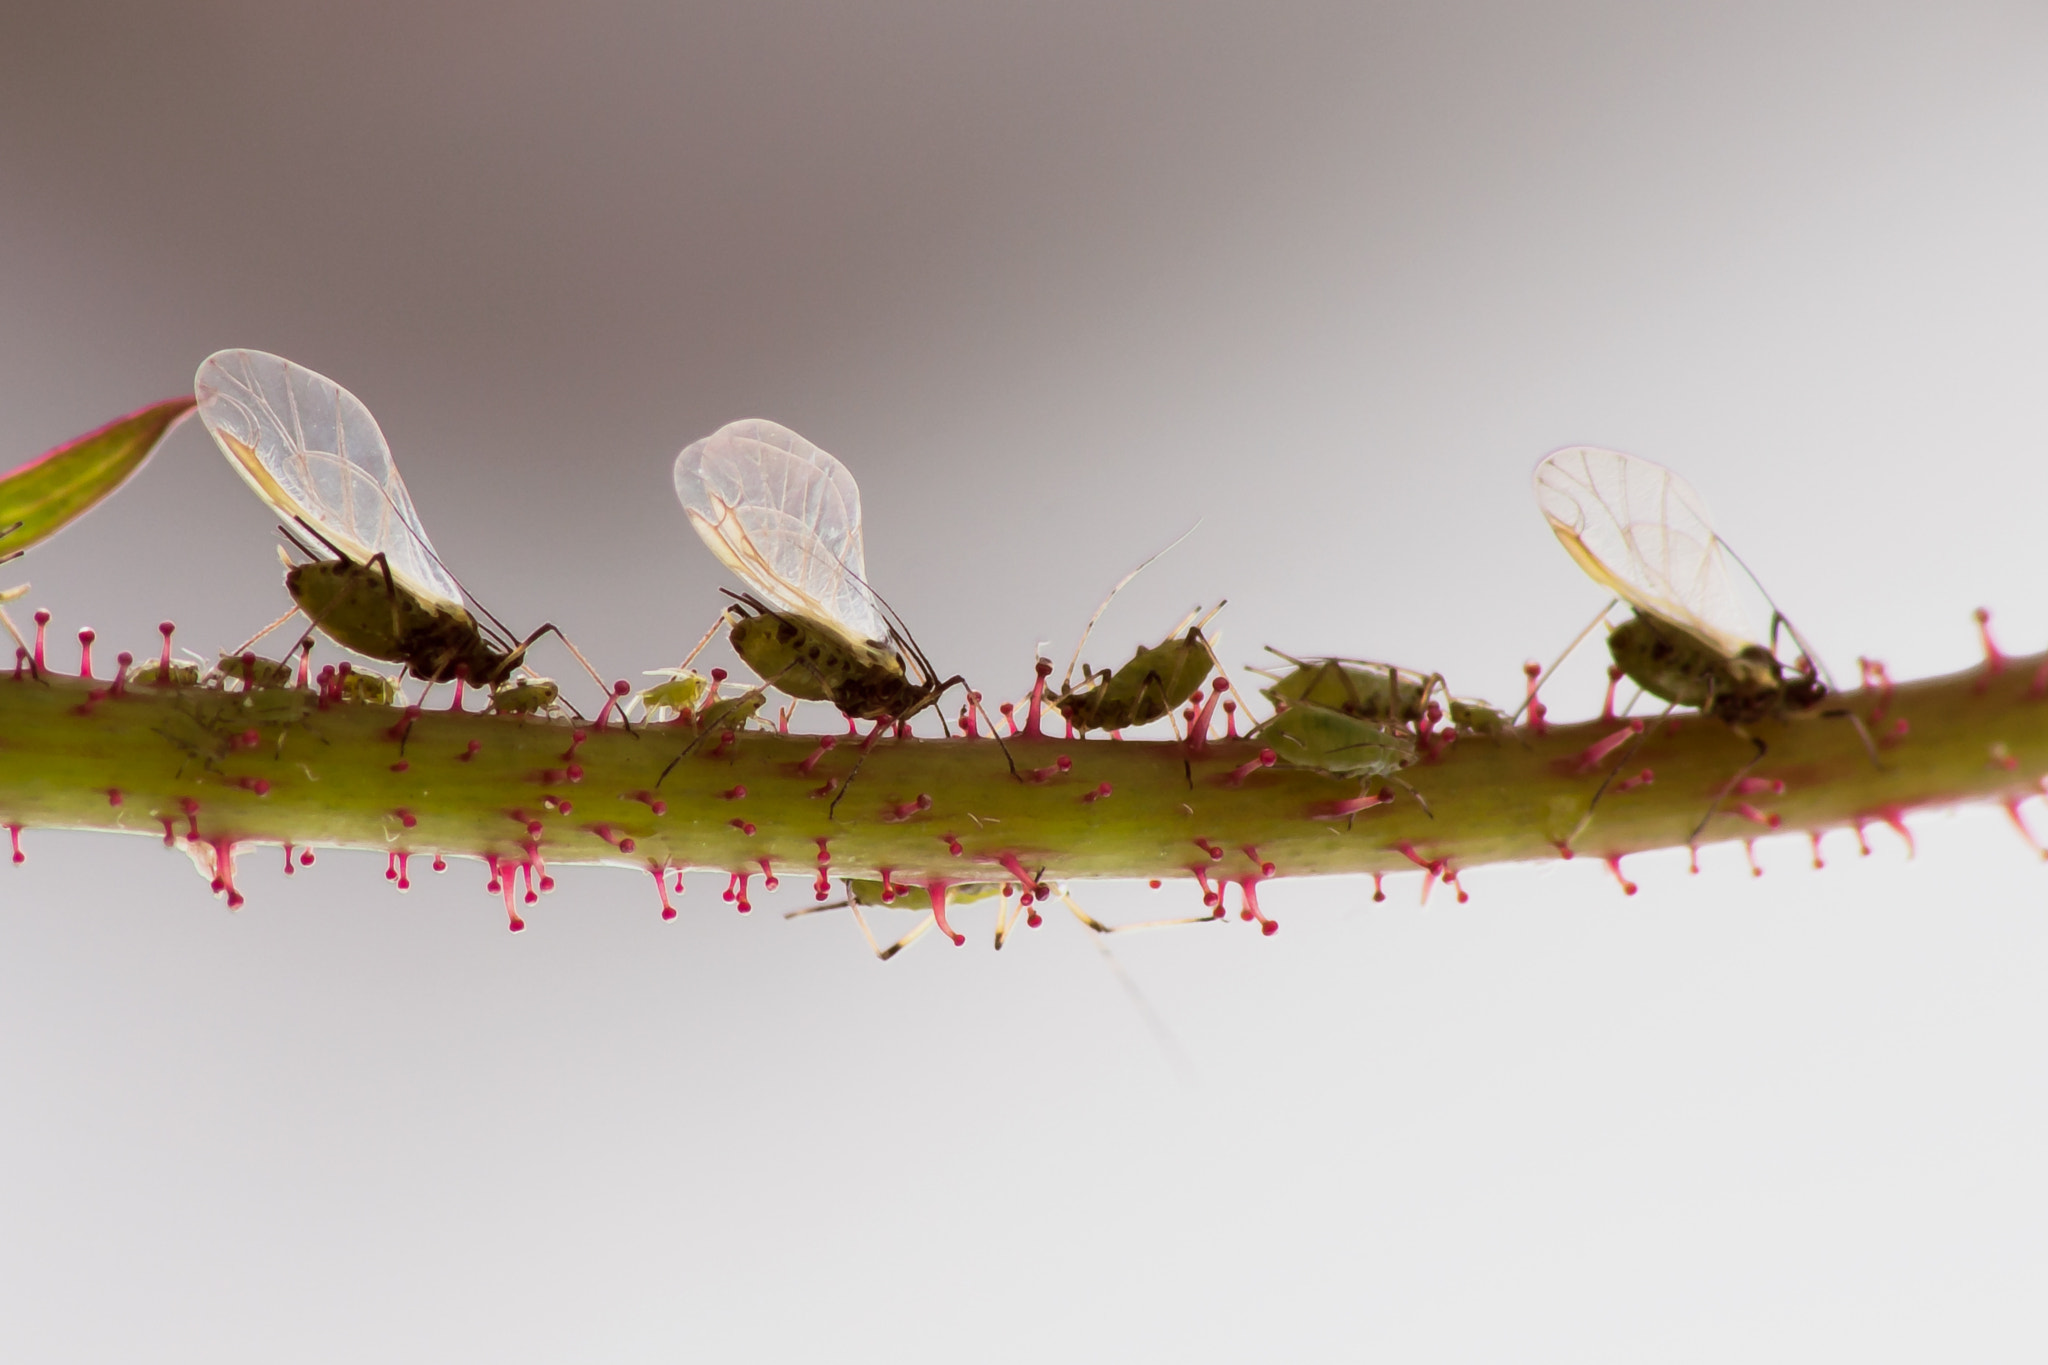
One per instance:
(785, 516)
(1323, 740)
(1156, 682)
(313, 452)
(1355, 687)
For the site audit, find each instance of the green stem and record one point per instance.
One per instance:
(272, 766)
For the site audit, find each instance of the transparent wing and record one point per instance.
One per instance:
(1640, 530)
(785, 517)
(312, 451)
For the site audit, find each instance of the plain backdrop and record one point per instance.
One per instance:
(1055, 281)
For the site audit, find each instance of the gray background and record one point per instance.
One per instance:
(1054, 281)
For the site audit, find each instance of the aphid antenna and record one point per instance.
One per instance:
(518, 653)
(1169, 1046)
(251, 642)
(1121, 584)
(1577, 640)
(801, 911)
(690, 658)
(8, 621)
(1778, 617)
(1106, 929)
(297, 544)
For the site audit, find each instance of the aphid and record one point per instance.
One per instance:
(371, 689)
(1355, 687)
(785, 517)
(1476, 717)
(253, 672)
(526, 697)
(151, 673)
(869, 893)
(313, 452)
(683, 690)
(1328, 741)
(1640, 531)
(1156, 681)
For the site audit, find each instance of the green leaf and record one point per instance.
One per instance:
(51, 491)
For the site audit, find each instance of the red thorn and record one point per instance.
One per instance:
(2012, 809)
(1614, 677)
(1537, 710)
(1994, 658)
(1101, 790)
(824, 853)
(191, 809)
(1378, 892)
(659, 872)
(1265, 868)
(905, 811)
(1613, 861)
(937, 891)
(619, 691)
(1564, 850)
(725, 742)
(1407, 850)
(42, 627)
(651, 801)
(1751, 813)
(1230, 719)
(831, 784)
(1212, 896)
(113, 796)
(1450, 878)
(170, 830)
(258, 785)
(163, 672)
(1154, 883)
(85, 639)
(874, 734)
(1198, 728)
(826, 744)
(1009, 863)
(400, 766)
(1749, 852)
(1814, 837)
(1349, 806)
(1593, 754)
(734, 794)
(1009, 711)
(395, 869)
(953, 845)
(742, 826)
(406, 817)
(1215, 851)
(768, 877)
(1266, 758)
(1249, 910)
(888, 886)
(969, 721)
(440, 863)
(1896, 818)
(14, 837)
(1031, 722)
(1629, 784)
(823, 887)
(1750, 786)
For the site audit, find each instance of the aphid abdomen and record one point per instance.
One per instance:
(783, 654)
(1665, 661)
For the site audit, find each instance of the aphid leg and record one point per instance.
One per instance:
(8, 621)
(518, 655)
(253, 640)
(803, 910)
(1099, 927)
(1621, 764)
(1729, 787)
(884, 954)
(1577, 640)
(1121, 584)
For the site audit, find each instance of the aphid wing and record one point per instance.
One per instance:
(1642, 532)
(312, 451)
(784, 516)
